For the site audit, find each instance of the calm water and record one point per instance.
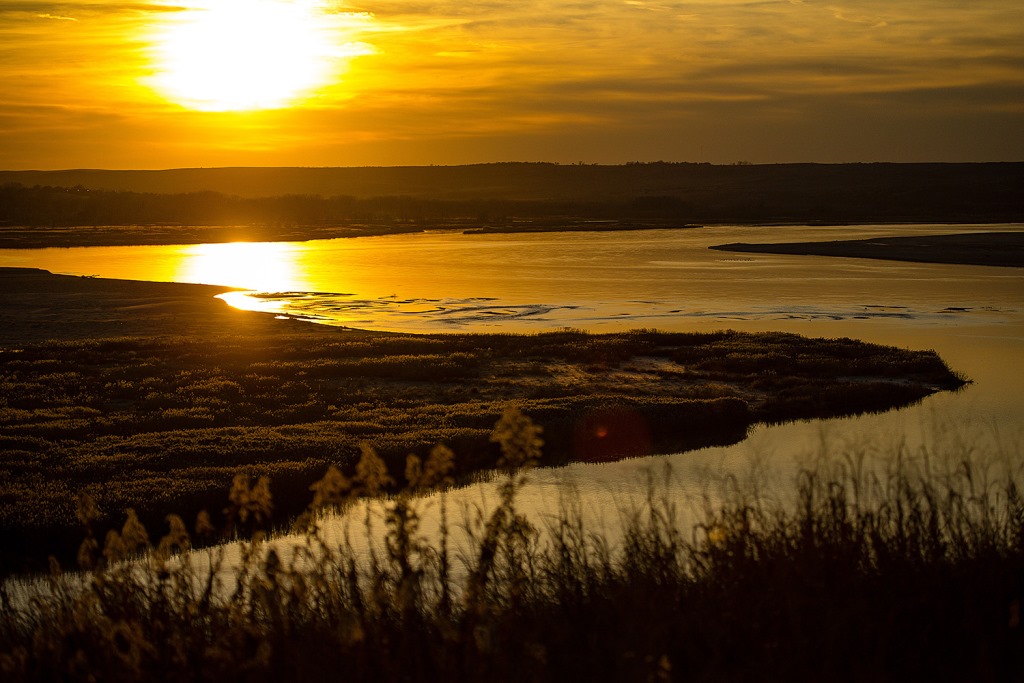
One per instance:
(973, 316)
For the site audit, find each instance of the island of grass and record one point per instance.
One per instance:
(154, 396)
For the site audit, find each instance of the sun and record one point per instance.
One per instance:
(243, 55)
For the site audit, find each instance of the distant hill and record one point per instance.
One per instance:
(660, 191)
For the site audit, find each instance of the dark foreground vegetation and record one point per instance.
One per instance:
(163, 207)
(164, 423)
(891, 576)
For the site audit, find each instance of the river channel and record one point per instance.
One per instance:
(667, 279)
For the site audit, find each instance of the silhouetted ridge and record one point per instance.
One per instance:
(678, 192)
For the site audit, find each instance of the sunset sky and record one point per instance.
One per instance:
(150, 84)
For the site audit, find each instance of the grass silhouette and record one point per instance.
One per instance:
(907, 574)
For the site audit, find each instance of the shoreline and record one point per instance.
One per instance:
(998, 249)
(26, 237)
(41, 306)
(16, 237)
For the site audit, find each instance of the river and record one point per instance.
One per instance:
(668, 279)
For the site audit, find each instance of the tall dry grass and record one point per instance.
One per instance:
(904, 575)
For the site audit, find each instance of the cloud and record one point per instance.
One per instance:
(856, 18)
(555, 74)
(66, 9)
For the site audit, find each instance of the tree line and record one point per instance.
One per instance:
(647, 193)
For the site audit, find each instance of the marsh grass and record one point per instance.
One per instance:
(901, 574)
(164, 424)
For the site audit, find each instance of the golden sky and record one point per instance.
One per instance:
(151, 84)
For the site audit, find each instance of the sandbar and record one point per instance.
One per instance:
(40, 306)
(1003, 249)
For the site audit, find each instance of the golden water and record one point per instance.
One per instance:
(445, 281)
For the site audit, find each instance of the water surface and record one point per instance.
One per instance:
(445, 281)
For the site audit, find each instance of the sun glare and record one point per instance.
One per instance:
(260, 266)
(242, 55)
